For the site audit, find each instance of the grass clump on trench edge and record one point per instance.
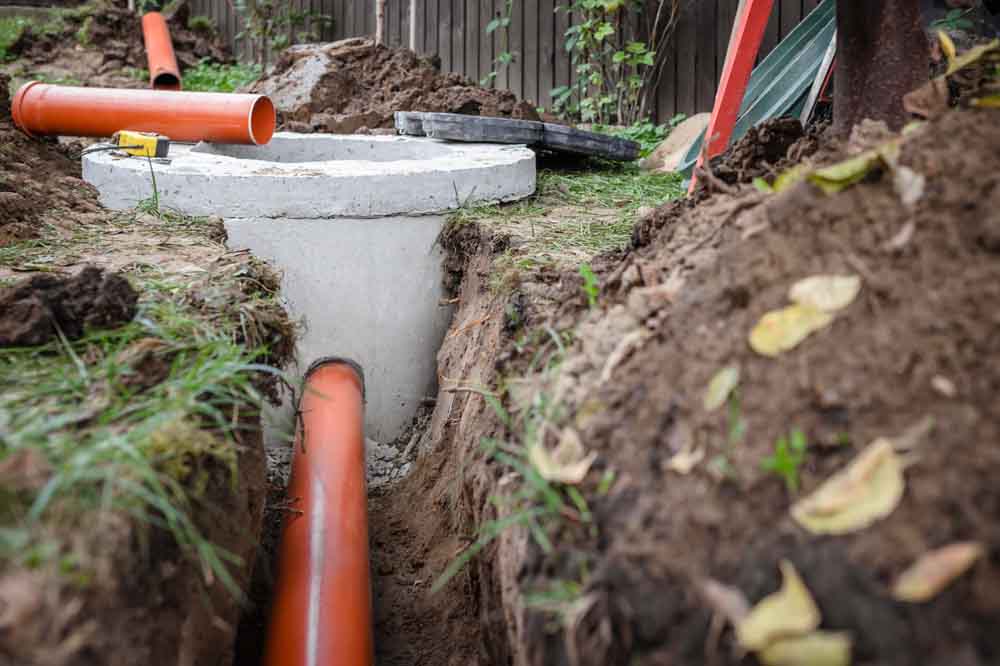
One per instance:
(132, 422)
(574, 213)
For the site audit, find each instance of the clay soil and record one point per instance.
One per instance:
(919, 342)
(356, 85)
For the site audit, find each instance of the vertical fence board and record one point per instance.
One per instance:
(455, 30)
(547, 45)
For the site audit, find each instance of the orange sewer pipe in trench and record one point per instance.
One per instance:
(160, 58)
(322, 607)
(43, 108)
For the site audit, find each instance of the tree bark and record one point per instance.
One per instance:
(882, 54)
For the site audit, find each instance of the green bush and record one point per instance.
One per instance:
(215, 77)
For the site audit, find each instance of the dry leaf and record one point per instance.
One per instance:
(947, 46)
(988, 102)
(567, 463)
(820, 648)
(868, 489)
(685, 460)
(781, 330)
(837, 177)
(971, 56)
(790, 611)
(901, 239)
(722, 384)
(828, 293)
(935, 570)
(944, 386)
(929, 100)
(788, 178)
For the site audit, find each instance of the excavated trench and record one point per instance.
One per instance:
(373, 275)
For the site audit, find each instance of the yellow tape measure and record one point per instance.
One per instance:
(142, 144)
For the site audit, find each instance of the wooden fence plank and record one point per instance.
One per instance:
(458, 35)
(444, 34)
(517, 48)
(485, 40)
(687, 47)
(546, 52)
(473, 35)
(791, 14)
(529, 49)
(705, 51)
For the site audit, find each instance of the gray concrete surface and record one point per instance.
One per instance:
(369, 290)
(352, 223)
(319, 176)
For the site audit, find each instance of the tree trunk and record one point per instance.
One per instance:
(882, 54)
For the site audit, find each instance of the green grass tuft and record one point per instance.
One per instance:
(214, 77)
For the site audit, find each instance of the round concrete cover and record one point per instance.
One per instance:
(319, 176)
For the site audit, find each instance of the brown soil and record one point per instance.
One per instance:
(95, 47)
(39, 183)
(354, 85)
(927, 313)
(37, 309)
(916, 343)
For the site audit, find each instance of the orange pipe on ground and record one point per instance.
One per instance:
(164, 74)
(322, 608)
(46, 109)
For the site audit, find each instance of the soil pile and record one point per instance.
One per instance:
(692, 501)
(39, 183)
(93, 44)
(37, 309)
(354, 85)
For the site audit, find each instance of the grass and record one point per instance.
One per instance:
(114, 445)
(789, 454)
(647, 134)
(575, 214)
(214, 77)
(10, 31)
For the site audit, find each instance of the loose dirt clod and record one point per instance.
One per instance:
(41, 307)
(354, 86)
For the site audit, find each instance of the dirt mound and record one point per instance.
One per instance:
(913, 345)
(39, 183)
(35, 310)
(95, 43)
(353, 85)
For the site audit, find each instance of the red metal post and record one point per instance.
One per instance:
(740, 59)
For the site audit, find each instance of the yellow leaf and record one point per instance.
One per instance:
(935, 570)
(685, 460)
(868, 489)
(788, 178)
(720, 387)
(971, 56)
(568, 463)
(790, 611)
(988, 102)
(762, 185)
(837, 177)
(781, 330)
(947, 46)
(828, 293)
(820, 648)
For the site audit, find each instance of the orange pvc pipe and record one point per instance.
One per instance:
(164, 74)
(46, 109)
(322, 606)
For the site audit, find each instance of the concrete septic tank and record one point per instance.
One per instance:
(352, 222)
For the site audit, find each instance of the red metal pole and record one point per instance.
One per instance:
(740, 59)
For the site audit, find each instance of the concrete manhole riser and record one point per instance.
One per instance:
(352, 222)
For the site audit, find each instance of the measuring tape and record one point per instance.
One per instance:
(141, 144)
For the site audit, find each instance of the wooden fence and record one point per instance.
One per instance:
(455, 31)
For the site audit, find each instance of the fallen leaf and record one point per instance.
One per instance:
(935, 570)
(568, 463)
(929, 100)
(901, 239)
(837, 177)
(788, 178)
(947, 46)
(781, 330)
(944, 386)
(790, 611)
(868, 489)
(988, 102)
(971, 56)
(819, 648)
(722, 384)
(762, 185)
(685, 460)
(828, 293)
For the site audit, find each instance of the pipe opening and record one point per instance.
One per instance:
(166, 81)
(262, 120)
